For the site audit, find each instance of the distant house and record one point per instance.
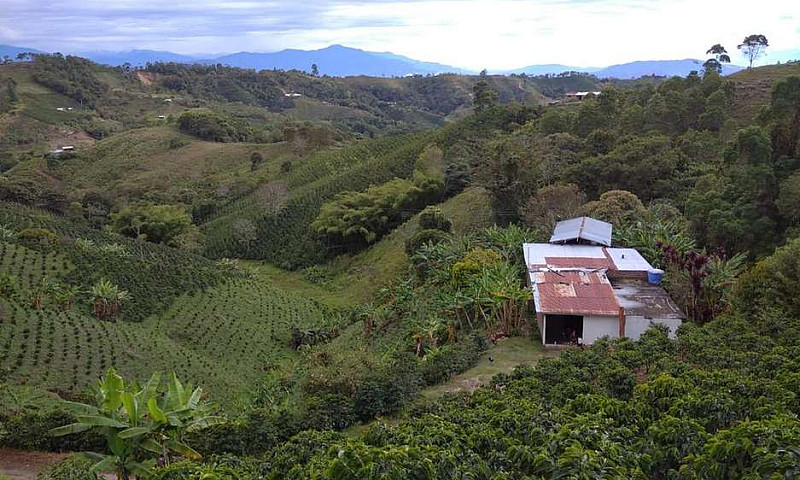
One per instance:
(68, 148)
(162, 117)
(579, 96)
(584, 289)
(168, 100)
(293, 94)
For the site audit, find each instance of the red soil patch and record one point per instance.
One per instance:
(22, 465)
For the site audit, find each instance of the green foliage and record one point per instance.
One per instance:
(432, 218)
(244, 230)
(552, 204)
(165, 224)
(141, 423)
(771, 282)
(618, 207)
(483, 95)
(74, 467)
(753, 47)
(213, 126)
(106, 298)
(40, 237)
(72, 76)
(356, 219)
(423, 237)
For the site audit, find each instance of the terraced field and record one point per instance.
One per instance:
(30, 267)
(223, 338)
(273, 224)
(209, 323)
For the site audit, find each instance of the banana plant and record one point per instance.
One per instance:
(140, 423)
(106, 299)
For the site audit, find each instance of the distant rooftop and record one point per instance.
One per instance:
(582, 229)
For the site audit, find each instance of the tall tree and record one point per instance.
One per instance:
(314, 70)
(720, 56)
(483, 96)
(753, 47)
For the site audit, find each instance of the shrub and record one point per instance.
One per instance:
(618, 207)
(38, 237)
(329, 412)
(432, 218)
(74, 467)
(165, 224)
(424, 237)
(214, 470)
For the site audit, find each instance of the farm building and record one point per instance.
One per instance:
(585, 289)
(580, 95)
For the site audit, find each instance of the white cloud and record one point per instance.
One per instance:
(496, 34)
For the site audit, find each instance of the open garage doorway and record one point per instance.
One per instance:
(562, 329)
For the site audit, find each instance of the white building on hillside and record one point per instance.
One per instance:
(584, 289)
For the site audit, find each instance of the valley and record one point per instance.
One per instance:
(337, 262)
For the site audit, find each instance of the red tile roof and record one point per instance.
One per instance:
(576, 293)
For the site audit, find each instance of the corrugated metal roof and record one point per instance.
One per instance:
(628, 260)
(574, 293)
(582, 228)
(548, 255)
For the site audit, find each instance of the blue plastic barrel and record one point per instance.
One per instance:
(654, 276)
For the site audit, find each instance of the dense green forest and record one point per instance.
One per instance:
(325, 264)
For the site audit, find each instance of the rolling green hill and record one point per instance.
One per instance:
(185, 313)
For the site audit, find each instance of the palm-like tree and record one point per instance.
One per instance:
(418, 334)
(140, 424)
(38, 293)
(106, 299)
(64, 295)
(431, 329)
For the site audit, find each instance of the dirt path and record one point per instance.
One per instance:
(21, 465)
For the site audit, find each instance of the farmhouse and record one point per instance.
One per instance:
(580, 95)
(585, 289)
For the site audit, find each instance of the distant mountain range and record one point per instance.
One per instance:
(666, 68)
(338, 60)
(12, 51)
(136, 58)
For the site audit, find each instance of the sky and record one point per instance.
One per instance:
(474, 34)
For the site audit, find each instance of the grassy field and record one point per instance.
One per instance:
(160, 161)
(502, 357)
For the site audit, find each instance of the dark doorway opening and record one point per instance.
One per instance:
(563, 329)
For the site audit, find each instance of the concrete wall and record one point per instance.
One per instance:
(597, 327)
(635, 326)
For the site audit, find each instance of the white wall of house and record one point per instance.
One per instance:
(598, 327)
(635, 326)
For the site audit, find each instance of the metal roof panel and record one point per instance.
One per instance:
(582, 228)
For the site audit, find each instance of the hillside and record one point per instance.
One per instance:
(67, 99)
(238, 326)
(754, 87)
(323, 254)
